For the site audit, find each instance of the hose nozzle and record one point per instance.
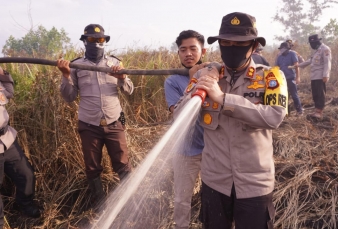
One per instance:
(201, 93)
(213, 66)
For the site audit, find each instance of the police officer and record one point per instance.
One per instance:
(292, 45)
(12, 159)
(320, 62)
(237, 166)
(101, 120)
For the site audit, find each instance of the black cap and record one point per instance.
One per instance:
(238, 27)
(314, 38)
(285, 45)
(94, 30)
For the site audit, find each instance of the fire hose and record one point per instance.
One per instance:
(179, 71)
(182, 71)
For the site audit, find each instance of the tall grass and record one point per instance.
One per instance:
(48, 134)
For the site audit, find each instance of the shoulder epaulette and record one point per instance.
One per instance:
(115, 57)
(76, 59)
(259, 68)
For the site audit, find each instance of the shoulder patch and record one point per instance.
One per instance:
(327, 52)
(76, 59)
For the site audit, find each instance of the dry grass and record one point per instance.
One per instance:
(305, 150)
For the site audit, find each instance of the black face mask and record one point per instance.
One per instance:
(94, 51)
(234, 56)
(315, 45)
(199, 62)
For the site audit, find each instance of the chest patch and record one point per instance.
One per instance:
(255, 83)
(207, 118)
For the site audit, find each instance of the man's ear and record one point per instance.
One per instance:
(204, 50)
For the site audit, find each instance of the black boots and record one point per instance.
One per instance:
(30, 210)
(97, 193)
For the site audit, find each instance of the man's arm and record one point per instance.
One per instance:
(295, 63)
(305, 63)
(123, 82)
(172, 93)
(327, 64)
(297, 73)
(68, 88)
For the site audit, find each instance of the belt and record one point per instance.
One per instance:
(103, 122)
(3, 130)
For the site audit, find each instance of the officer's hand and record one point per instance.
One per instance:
(115, 69)
(63, 66)
(325, 79)
(195, 68)
(1, 71)
(297, 81)
(209, 83)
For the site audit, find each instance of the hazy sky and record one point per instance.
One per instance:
(136, 23)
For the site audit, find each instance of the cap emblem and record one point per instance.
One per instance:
(97, 29)
(235, 21)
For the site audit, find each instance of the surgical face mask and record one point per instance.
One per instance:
(94, 51)
(282, 50)
(234, 56)
(315, 45)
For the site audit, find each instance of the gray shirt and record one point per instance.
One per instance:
(320, 63)
(98, 91)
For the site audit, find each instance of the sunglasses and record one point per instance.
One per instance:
(96, 40)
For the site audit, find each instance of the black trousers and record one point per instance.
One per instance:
(318, 88)
(20, 171)
(219, 211)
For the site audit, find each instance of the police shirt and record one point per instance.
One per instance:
(320, 63)
(238, 136)
(98, 91)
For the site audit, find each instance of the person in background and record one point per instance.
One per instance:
(13, 161)
(300, 58)
(258, 58)
(186, 163)
(285, 59)
(237, 167)
(320, 62)
(101, 120)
